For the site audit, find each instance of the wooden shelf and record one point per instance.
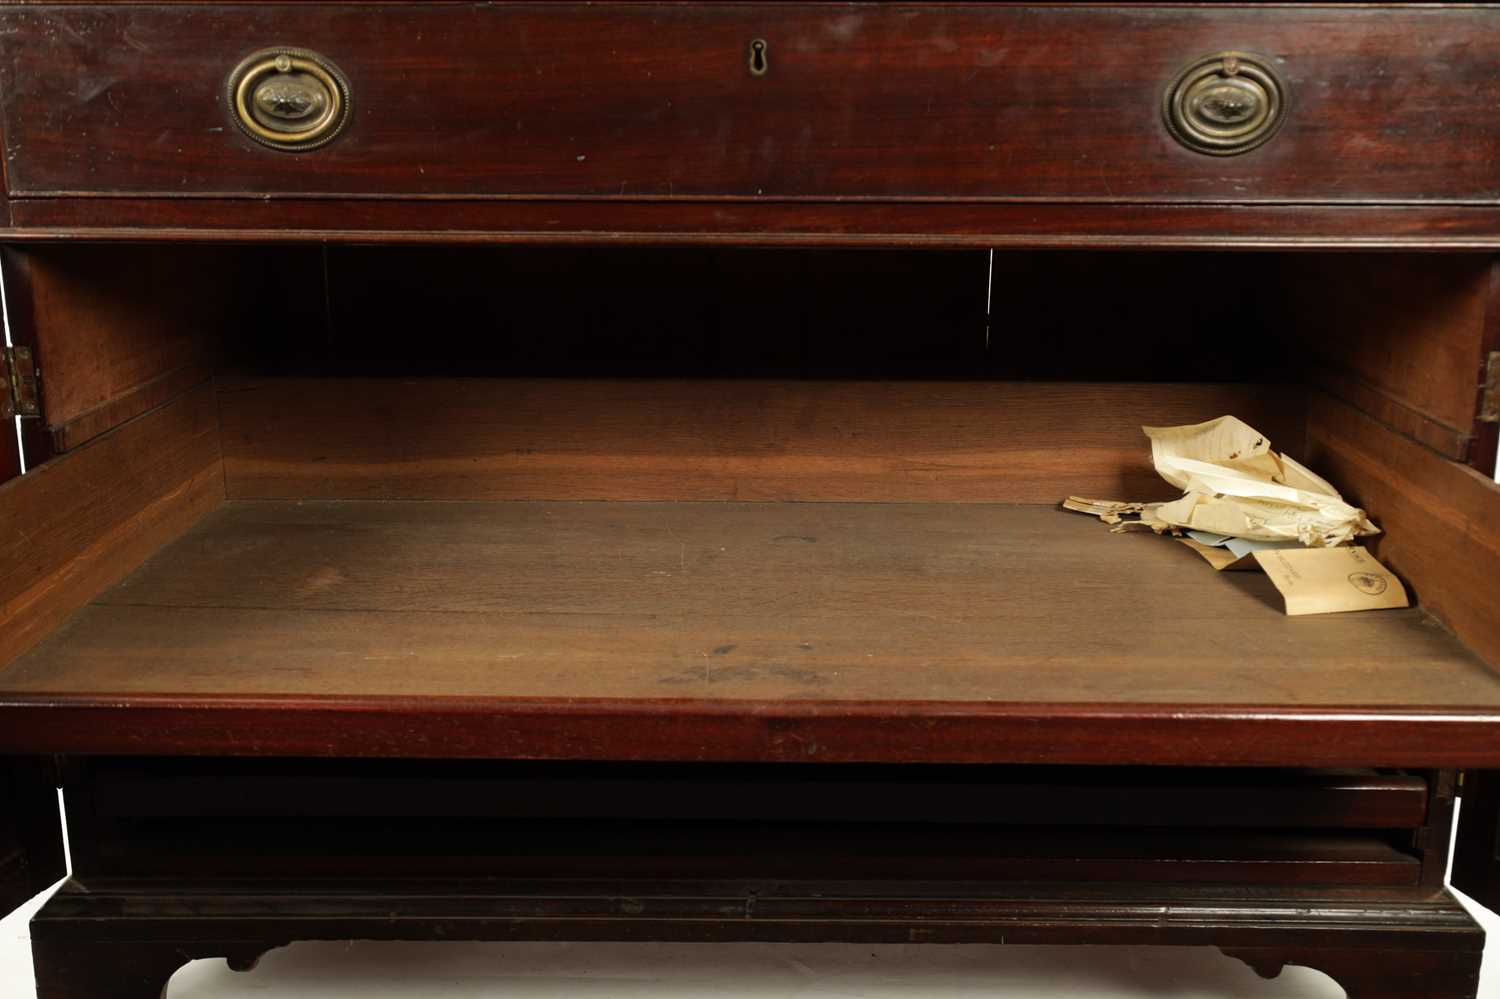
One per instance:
(731, 631)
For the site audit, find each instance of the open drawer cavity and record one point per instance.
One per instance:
(735, 506)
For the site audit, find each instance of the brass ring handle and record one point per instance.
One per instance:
(1225, 104)
(290, 99)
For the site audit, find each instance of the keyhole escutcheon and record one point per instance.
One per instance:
(759, 63)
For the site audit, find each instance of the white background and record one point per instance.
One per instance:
(370, 970)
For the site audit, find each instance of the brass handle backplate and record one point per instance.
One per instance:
(1225, 104)
(288, 99)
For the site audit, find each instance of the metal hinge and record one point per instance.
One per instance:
(1489, 405)
(19, 392)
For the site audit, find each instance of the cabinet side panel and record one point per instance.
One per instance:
(80, 522)
(1400, 337)
(117, 334)
(1441, 519)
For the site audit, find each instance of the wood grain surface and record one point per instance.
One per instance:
(633, 101)
(558, 439)
(722, 602)
(80, 522)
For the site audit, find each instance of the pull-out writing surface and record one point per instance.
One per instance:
(817, 632)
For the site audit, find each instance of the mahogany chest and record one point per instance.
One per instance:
(590, 471)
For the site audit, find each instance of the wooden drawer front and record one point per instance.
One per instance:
(257, 818)
(641, 100)
(829, 794)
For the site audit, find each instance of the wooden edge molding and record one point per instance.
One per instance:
(834, 223)
(77, 524)
(90, 939)
(899, 911)
(640, 730)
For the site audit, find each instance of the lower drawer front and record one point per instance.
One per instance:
(415, 848)
(386, 819)
(726, 100)
(1015, 796)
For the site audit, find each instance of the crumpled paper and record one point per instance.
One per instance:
(1234, 484)
(1246, 506)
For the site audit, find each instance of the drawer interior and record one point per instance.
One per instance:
(477, 479)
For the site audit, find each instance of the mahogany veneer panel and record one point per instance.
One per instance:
(653, 101)
(722, 602)
(464, 439)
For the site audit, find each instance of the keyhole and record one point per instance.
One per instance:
(758, 62)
